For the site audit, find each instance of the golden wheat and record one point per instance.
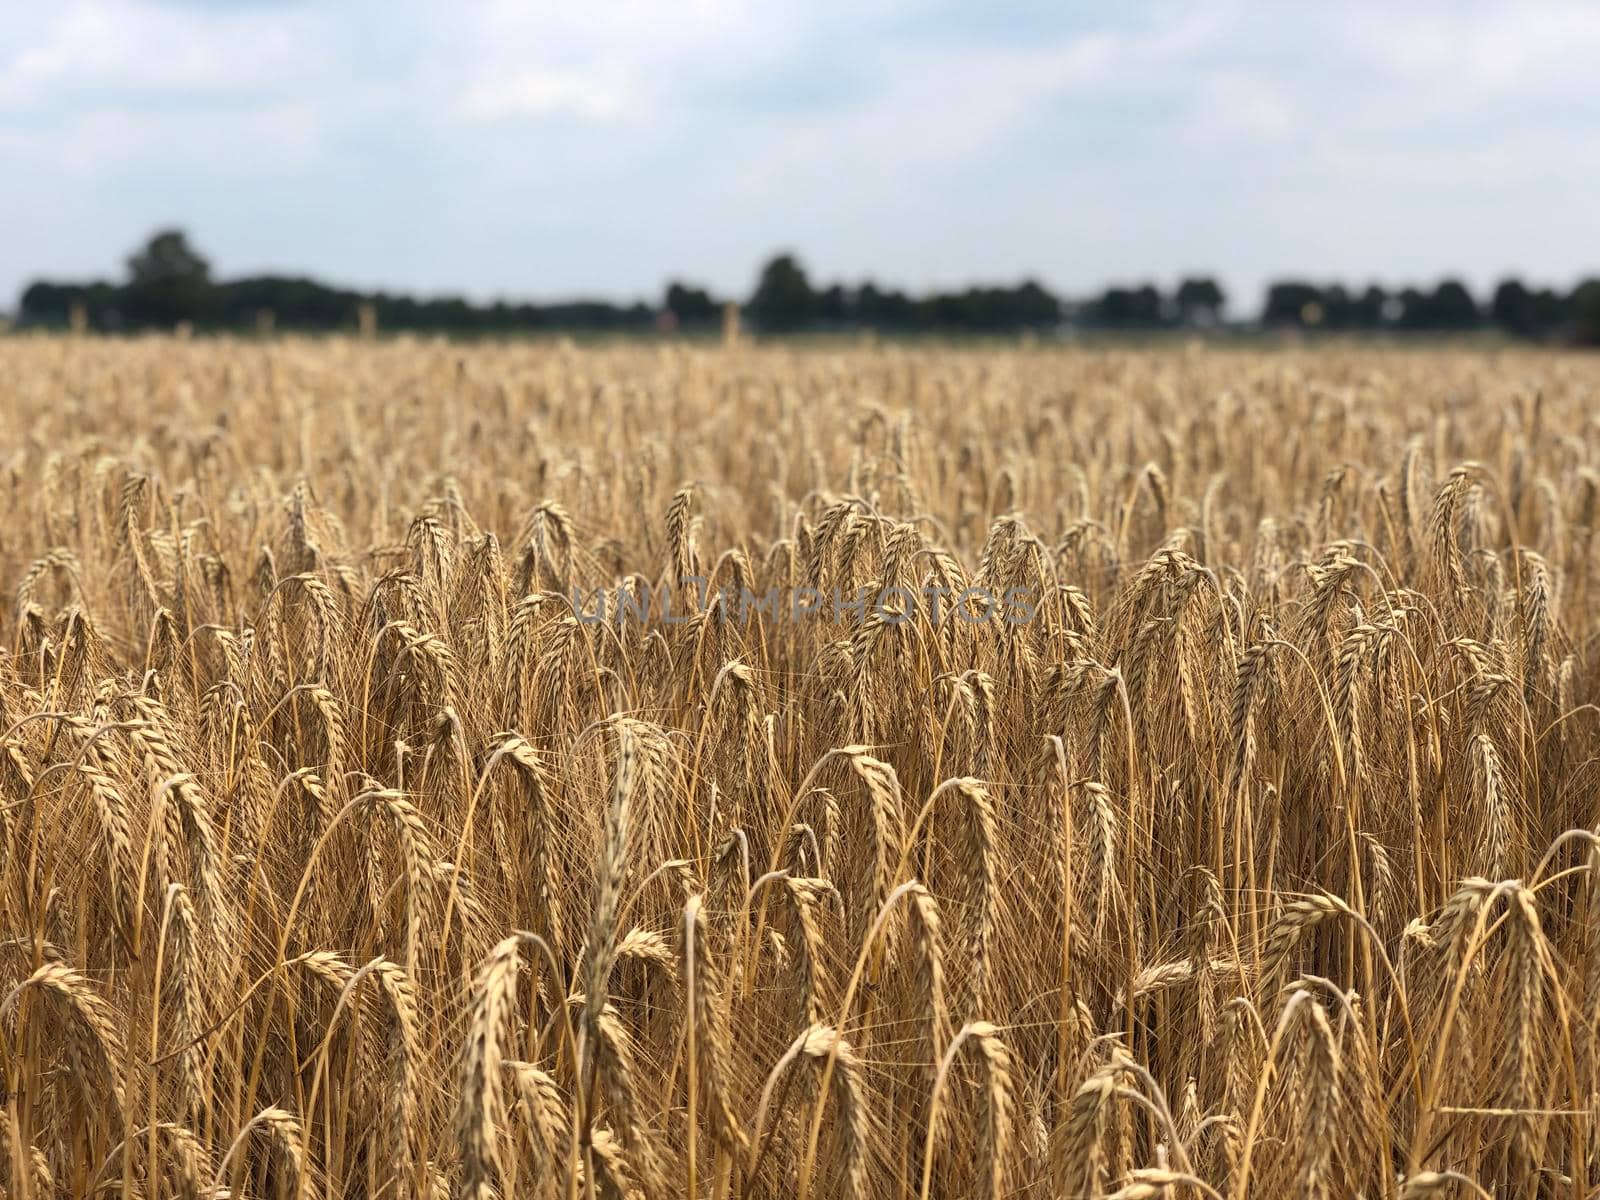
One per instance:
(670, 771)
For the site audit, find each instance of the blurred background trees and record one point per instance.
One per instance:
(783, 300)
(169, 283)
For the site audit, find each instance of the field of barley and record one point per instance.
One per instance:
(345, 853)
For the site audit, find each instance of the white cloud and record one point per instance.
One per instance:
(600, 94)
(1499, 47)
(942, 108)
(540, 58)
(1235, 107)
(122, 51)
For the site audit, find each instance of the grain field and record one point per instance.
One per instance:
(843, 771)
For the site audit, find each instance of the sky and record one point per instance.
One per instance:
(534, 150)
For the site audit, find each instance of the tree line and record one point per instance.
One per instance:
(169, 283)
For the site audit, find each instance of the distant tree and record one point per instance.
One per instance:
(1034, 306)
(46, 303)
(296, 303)
(1583, 305)
(834, 305)
(1200, 301)
(168, 281)
(783, 299)
(691, 305)
(1413, 309)
(1549, 310)
(1129, 308)
(1293, 302)
(1370, 311)
(955, 310)
(1342, 308)
(1448, 307)
(1028, 305)
(869, 304)
(1338, 307)
(885, 309)
(1512, 308)
(1453, 306)
(1149, 305)
(1528, 312)
(167, 258)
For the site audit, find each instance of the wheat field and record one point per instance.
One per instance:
(351, 847)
